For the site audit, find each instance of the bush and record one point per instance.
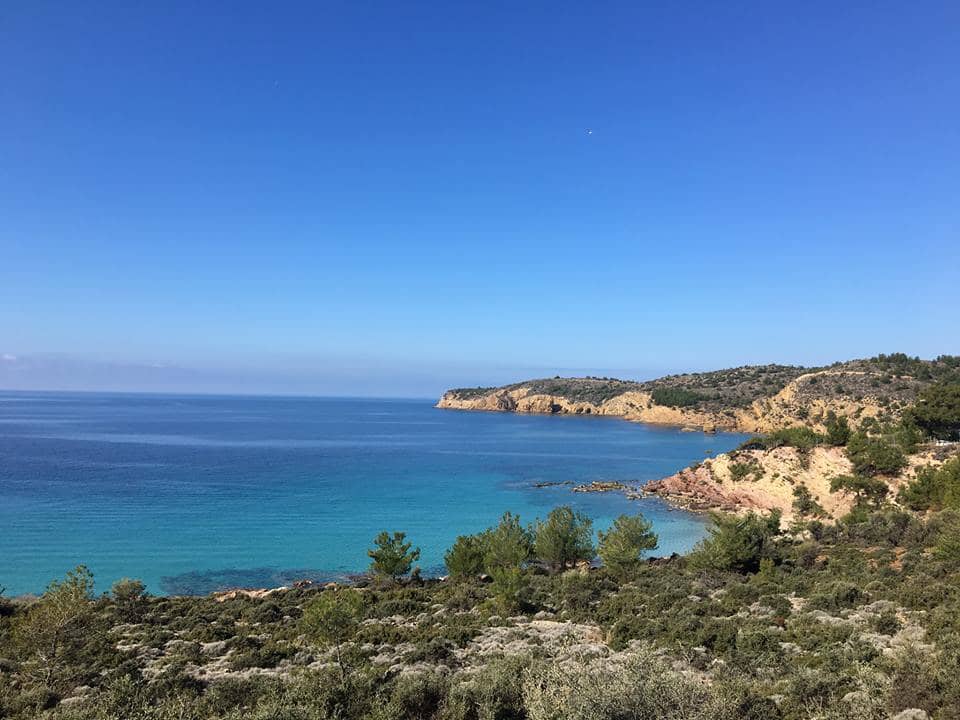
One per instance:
(676, 397)
(50, 638)
(937, 411)
(563, 539)
(873, 456)
(737, 543)
(495, 692)
(645, 687)
(740, 471)
(508, 545)
(392, 556)
(465, 559)
(838, 430)
(623, 546)
(837, 596)
(804, 504)
(333, 618)
(864, 489)
(934, 488)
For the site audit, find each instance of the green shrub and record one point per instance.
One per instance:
(508, 545)
(333, 617)
(564, 538)
(837, 596)
(737, 543)
(645, 687)
(740, 471)
(622, 547)
(465, 559)
(391, 555)
(129, 597)
(934, 487)
(51, 637)
(937, 411)
(804, 504)
(495, 692)
(676, 397)
(864, 489)
(838, 430)
(873, 456)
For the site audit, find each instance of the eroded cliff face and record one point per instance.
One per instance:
(523, 400)
(636, 406)
(765, 480)
(742, 480)
(770, 484)
(794, 405)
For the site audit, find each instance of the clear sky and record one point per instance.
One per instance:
(390, 198)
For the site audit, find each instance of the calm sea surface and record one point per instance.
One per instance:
(195, 493)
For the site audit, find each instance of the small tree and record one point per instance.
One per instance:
(392, 556)
(130, 597)
(838, 429)
(563, 539)
(934, 487)
(872, 456)
(333, 618)
(508, 545)
(507, 548)
(804, 503)
(738, 543)
(51, 634)
(622, 547)
(465, 559)
(937, 411)
(866, 490)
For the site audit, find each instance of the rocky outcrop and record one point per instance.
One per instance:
(793, 405)
(760, 480)
(765, 480)
(635, 406)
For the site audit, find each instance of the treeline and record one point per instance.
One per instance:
(504, 552)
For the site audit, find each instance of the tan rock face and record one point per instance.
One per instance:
(770, 486)
(804, 401)
(713, 485)
(788, 408)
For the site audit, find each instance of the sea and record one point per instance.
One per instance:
(193, 494)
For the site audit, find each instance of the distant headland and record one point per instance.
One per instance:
(752, 398)
(849, 419)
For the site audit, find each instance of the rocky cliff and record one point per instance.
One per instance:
(765, 480)
(747, 399)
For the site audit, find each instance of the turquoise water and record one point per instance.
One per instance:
(195, 493)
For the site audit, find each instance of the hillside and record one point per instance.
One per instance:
(763, 621)
(759, 398)
(843, 602)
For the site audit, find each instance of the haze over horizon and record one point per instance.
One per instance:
(387, 200)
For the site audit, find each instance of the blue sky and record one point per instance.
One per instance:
(389, 198)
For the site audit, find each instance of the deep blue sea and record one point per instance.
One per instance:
(195, 493)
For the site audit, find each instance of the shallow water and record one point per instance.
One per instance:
(194, 493)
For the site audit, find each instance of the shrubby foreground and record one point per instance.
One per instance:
(818, 619)
(855, 620)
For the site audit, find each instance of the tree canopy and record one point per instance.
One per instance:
(622, 546)
(563, 538)
(937, 411)
(392, 555)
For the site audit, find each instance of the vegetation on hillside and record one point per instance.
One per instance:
(860, 619)
(893, 381)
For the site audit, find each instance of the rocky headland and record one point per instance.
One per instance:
(754, 399)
